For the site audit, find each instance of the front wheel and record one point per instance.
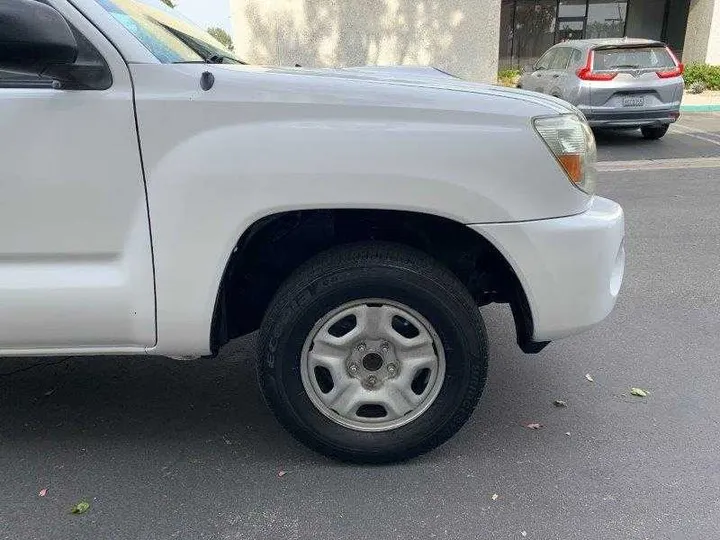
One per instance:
(372, 353)
(653, 133)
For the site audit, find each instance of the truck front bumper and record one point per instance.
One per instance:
(570, 268)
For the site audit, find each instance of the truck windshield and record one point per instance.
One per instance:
(169, 36)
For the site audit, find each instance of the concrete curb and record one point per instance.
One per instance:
(700, 108)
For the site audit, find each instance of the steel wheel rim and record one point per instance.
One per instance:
(372, 365)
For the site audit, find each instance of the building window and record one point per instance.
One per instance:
(534, 30)
(529, 27)
(572, 8)
(507, 22)
(606, 19)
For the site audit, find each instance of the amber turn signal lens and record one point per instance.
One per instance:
(572, 163)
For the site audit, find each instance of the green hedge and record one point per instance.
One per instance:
(705, 73)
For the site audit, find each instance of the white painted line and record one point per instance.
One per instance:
(697, 134)
(659, 164)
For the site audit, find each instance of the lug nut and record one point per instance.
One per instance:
(372, 380)
(353, 369)
(392, 369)
(385, 347)
(361, 347)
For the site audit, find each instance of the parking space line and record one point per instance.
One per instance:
(697, 133)
(659, 164)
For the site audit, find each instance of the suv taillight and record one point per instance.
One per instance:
(672, 72)
(586, 72)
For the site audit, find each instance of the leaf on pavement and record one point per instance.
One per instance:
(639, 392)
(494, 497)
(80, 508)
(560, 403)
(281, 474)
(533, 426)
(43, 492)
(589, 377)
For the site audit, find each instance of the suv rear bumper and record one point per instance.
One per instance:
(630, 118)
(571, 268)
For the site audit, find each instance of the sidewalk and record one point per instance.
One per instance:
(707, 101)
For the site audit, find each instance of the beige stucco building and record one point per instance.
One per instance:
(470, 38)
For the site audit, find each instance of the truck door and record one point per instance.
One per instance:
(75, 254)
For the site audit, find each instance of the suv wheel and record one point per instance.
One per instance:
(653, 133)
(372, 353)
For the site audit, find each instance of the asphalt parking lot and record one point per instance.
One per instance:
(162, 449)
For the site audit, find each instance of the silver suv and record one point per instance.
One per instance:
(626, 83)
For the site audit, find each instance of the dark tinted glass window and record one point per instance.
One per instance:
(507, 15)
(572, 8)
(534, 29)
(606, 19)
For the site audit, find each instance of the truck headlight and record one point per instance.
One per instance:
(572, 142)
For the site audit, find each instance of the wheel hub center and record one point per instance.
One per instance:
(372, 361)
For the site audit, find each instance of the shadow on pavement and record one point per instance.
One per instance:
(190, 410)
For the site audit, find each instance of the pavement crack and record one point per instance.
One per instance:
(35, 365)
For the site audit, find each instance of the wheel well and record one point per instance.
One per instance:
(273, 247)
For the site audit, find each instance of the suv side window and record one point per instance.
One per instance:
(576, 60)
(88, 56)
(561, 59)
(546, 59)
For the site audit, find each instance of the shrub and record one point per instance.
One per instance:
(508, 77)
(704, 73)
(698, 87)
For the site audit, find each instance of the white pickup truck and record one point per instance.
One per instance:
(161, 197)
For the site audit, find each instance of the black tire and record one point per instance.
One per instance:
(652, 133)
(372, 270)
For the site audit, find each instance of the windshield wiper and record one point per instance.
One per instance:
(208, 54)
(214, 59)
(221, 59)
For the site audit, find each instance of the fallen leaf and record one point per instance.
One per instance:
(533, 426)
(281, 474)
(80, 508)
(524, 533)
(495, 497)
(560, 403)
(43, 492)
(589, 377)
(639, 392)
(567, 433)
(49, 392)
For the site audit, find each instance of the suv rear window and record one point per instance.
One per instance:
(632, 58)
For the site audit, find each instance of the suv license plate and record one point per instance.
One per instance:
(633, 101)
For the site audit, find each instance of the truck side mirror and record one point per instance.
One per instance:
(35, 39)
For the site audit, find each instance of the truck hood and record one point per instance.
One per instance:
(414, 76)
